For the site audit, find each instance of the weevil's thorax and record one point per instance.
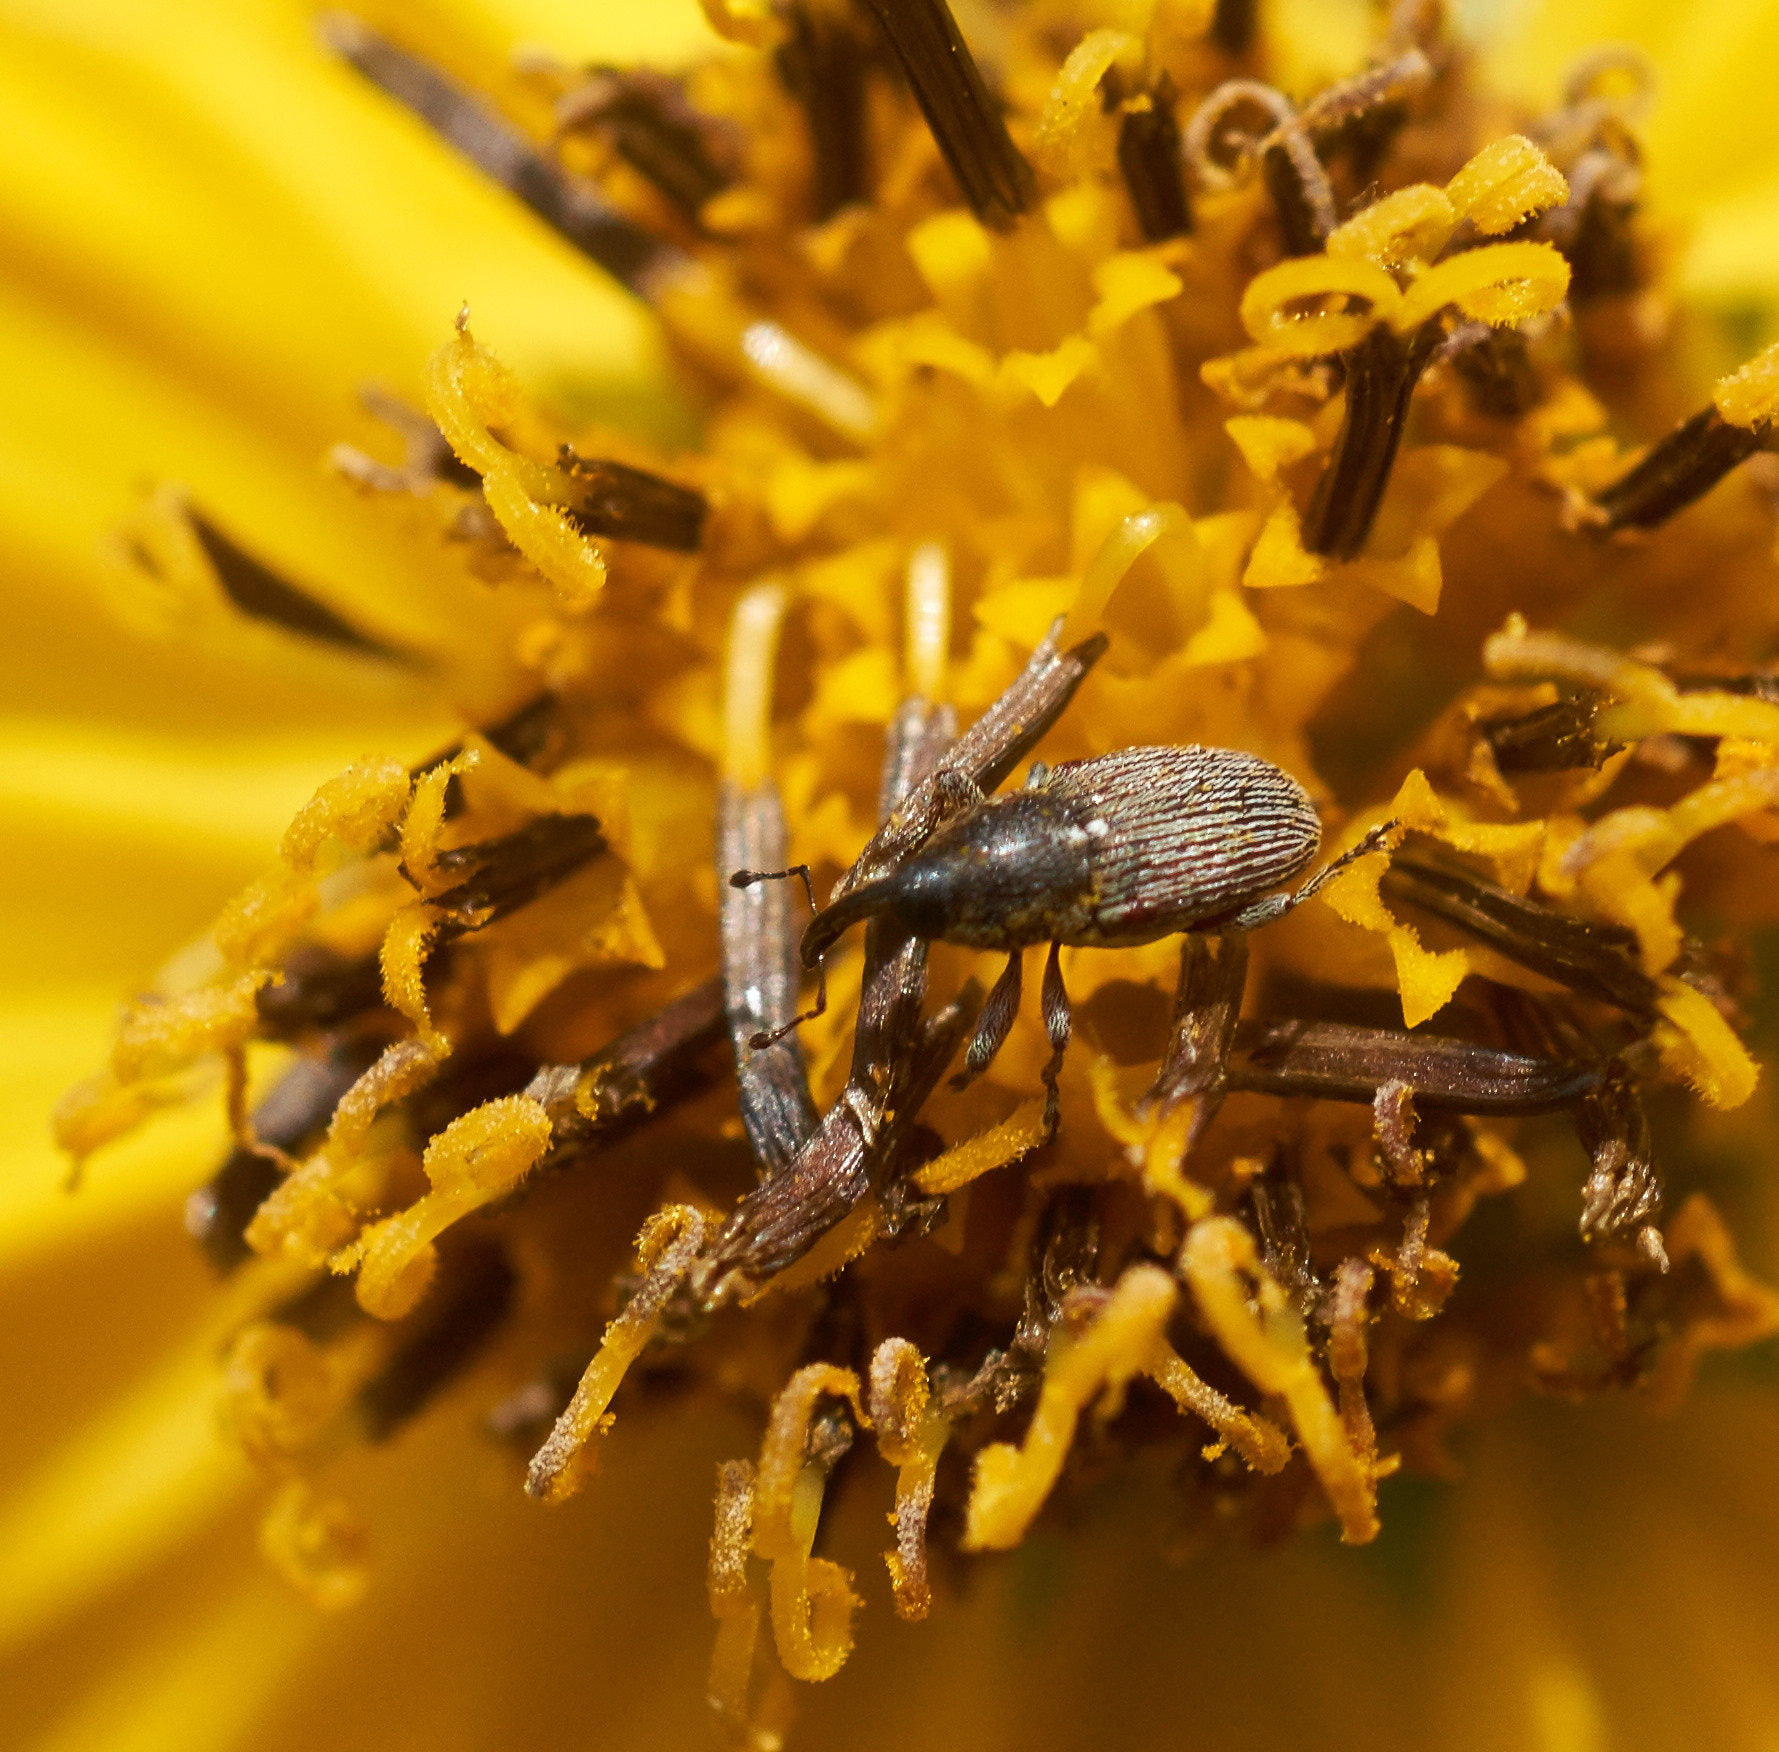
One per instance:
(1181, 836)
(1013, 871)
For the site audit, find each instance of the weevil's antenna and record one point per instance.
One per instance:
(746, 879)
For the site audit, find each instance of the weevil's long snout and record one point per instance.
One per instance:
(833, 922)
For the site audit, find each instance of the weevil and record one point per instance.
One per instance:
(1119, 850)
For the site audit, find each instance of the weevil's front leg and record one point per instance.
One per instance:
(994, 1024)
(954, 793)
(1058, 1024)
(1275, 906)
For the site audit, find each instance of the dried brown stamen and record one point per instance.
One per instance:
(1339, 1061)
(614, 499)
(965, 118)
(318, 990)
(1495, 367)
(1234, 26)
(295, 1113)
(1555, 738)
(502, 875)
(564, 202)
(1684, 467)
(659, 1061)
(653, 127)
(823, 63)
(1149, 157)
(1598, 961)
(260, 593)
(1381, 375)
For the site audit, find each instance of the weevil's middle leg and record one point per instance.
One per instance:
(994, 1024)
(1275, 906)
(1059, 1025)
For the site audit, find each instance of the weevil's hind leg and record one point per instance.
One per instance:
(1275, 906)
(993, 1024)
(1059, 1025)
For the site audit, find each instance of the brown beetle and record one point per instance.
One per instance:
(1122, 849)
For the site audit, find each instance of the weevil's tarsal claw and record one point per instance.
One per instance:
(994, 1024)
(1275, 906)
(1377, 840)
(767, 1037)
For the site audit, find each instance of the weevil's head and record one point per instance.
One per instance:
(1011, 872)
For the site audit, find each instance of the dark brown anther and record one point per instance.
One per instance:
(823, 65)
(1553, 739)
(1336, 1061)
(499, 876)
(661, 1060)
(474, 1293)
(295, 1113)
(484, 1072)
(258, 591)
(1153, 170)
(318, 990)
(1381, 375)
(535, 736)
(569, 206)
(1596, 961)
(1595, 227)
(760, 977)
(611, 498)
(965, 118)
(1604, 259)
(1623, 1191)
(1207, 1006)
(653, 127)
(1282, 1224)
(1685, 466)
(1495, 367)
(1235, 24)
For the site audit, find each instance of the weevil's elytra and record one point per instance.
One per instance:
(1117, 850)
